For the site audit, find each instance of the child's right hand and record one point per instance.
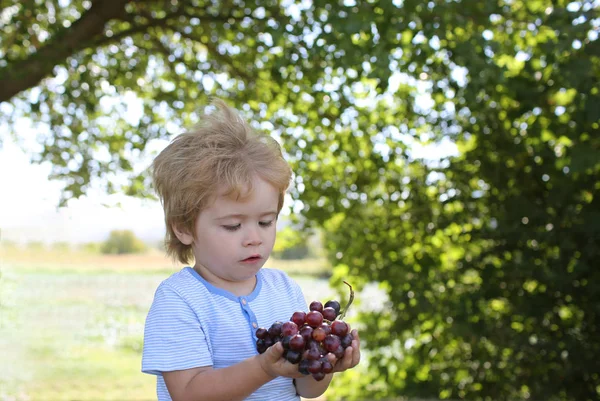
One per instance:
(273, 363)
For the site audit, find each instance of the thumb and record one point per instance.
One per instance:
(274, 352)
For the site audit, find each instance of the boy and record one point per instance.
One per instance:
(222, 188)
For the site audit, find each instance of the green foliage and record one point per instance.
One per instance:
(8, 244)
(61, 246)
(297, 252)
(489, 257)
(122, 242)
(291, 244)
(167, 59)
(35, 246)
(91, 247)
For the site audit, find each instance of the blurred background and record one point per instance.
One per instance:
(446, 158)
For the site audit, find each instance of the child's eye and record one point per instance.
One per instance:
(232, 228)
(265, 223)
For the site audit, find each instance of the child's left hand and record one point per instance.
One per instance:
(351, 356)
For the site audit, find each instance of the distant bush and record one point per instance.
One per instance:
(91, 247)
(35, 245)
(8, 244)
(159, 245)
(122, 242)
(61, 246)
(297, 252)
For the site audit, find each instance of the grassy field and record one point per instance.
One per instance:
(71, 323)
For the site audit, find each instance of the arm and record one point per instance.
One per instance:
(209, 384)
(307, 387)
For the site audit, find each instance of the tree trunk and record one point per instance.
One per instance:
(23, 74)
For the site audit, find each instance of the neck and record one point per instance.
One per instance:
(237, 288)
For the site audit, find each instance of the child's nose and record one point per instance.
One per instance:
(252, 237)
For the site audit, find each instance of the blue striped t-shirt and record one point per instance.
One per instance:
(192, 323)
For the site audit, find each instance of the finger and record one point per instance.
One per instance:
(356, 348)
(356, 341)
(355, 353)
(290, 370)
(344, 363)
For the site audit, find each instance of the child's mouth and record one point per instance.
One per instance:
(251, 259)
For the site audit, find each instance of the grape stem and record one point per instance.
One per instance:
(343, 314)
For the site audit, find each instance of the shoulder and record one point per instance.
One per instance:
(277, 277)
(274, 273)
(182, 277)
(274, 280)
(180, 296)
(182, 283)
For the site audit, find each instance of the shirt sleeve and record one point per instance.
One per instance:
(173, 336)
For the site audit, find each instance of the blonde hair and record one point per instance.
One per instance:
(222, 151)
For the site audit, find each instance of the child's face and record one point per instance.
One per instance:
(234, 238)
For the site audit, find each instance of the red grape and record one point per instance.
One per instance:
(313, 351)
(309, 338)
(329, 314)
(316, 306)
(314, 318)
(318, 376)
(275, 329)
(339, 328)
(303, 366)
(319, 334)
(297, 342)
(314, 366)
(339, 352)
(285, 341)
(326, 366)
(347, 340)
(298, 318)
(326, 327)
(261, 346)
(335, 305)
(262, 333)
(293, 356)
(289, 329)
(331, 342)
(306, 332)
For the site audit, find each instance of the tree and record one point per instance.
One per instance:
(292, 243)
(488, 257)
(67, 66)
(121, 242)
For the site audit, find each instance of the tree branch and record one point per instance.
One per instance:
(27, 73)
(159, 22)
(104, 40)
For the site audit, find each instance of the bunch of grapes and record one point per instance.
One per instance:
(308, 337)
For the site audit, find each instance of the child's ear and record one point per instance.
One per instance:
(182, 235)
